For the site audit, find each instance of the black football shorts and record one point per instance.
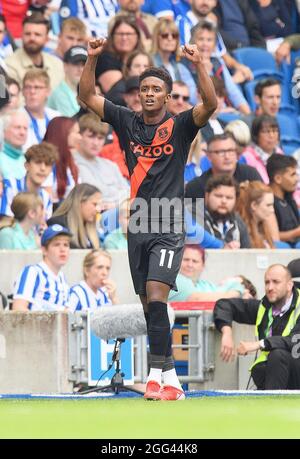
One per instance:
(154, 257)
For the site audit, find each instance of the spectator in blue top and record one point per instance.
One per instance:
(19, 234)
(274, 18)
(97, 289)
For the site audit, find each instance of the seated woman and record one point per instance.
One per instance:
(18, 233)
(78, 213)
(97, 289)
(190, 285)
(123, 38)
(166, 53)
(64, 133)
(265, 141)
(256, 207)
(204, 36)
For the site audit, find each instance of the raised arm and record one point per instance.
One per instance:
(201, 112)
(87, 92)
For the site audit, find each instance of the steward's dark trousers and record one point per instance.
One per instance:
(281, 371)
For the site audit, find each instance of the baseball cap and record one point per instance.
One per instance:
(75, 55)
(53, 231)
(132, 83)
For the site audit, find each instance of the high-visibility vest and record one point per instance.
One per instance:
(263, 356)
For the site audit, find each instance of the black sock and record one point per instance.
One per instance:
(169, 362)
(159, 328)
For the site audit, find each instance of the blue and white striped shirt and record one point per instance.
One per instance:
(82, 298)
(44, 290)
(11, 187)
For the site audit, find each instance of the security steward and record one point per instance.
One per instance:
(277, 328)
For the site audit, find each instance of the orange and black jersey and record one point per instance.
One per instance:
(155, 154)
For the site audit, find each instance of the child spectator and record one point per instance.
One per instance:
(28, 212)
(42, 286)
(97, 289)
(39, 161)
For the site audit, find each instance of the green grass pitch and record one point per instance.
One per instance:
(208, 417)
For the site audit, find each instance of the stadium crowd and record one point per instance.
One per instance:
(64, 183)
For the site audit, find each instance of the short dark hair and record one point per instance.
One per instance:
(158, 72)
(265, 83)
(259, 122)
(278, 164)
(202, 25)
(217, 137)
(221, 180)
(37, 18)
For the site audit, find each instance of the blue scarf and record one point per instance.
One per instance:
(11, 151)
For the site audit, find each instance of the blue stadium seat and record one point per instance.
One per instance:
(261, 62)
(289, 145)
(227, 117)
(288, 110)
(289, 126)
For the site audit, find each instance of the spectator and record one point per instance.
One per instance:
(241, 134)
(64, 134)
(15, 129)
(268, 97)
(190, 285)
(132, 94)
(42, 286)
(20, 234)
(39, 160)
(222, 152)
(180, 98)
(31, 56)
(6, 42)
(14, 12)
(282, 172)
(135, 64)
(283, 52)
(97, 289)
(276, 320)
(72, 33)
(255, 205)
(64, 97)
(145, 22)
(197, 151)
(123, 38)
(95, 15)
(220, 218)
(238, 24)
(274, 19)
(204, 35)
(166, 53)
(79, 213)
(117, 239)
(100, 172)
(266, 139)
(202, 10)
(14, 91)
(36, 89)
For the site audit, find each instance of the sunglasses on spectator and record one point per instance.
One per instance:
(166, 35)
(179, 96)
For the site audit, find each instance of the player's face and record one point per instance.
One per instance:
(278, 286)
(57, 252)
(37, 171)
(221, 200)
(153, 94)
(192, 264)
(98, 272)
(90, 208)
